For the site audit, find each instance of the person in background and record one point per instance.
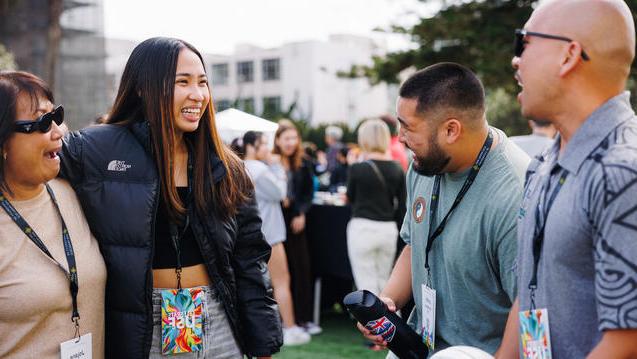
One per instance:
(46, 245)
(354, 155)
(396, 148)
(175, 215)
(320, 176)
(316, 156)
(333, 136)
(339, 176)
(542, 136)
(376, 191)
(287, 144)
(270, 184)
(577, 228)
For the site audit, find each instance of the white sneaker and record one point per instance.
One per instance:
(312, 329)
(295, 336)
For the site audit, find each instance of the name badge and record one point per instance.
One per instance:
(181, 320)
(535, 337)
(77, 348)
(428, 310)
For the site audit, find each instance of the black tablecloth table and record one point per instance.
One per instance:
(326, 227)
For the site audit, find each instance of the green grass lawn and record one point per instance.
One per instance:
(340, 339)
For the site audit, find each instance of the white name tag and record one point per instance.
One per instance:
(428, 310)
(77, 348)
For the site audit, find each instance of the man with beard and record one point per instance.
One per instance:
(577, 229)
(463, 193)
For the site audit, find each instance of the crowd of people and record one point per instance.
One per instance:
(146, 236)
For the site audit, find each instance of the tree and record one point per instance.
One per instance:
(31, 29)
(54, 37)
(479, 35)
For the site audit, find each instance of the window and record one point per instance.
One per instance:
(246, 105)
(220, 74)
(271, 106)
(271, 69)
(221, 105)
(245, 71)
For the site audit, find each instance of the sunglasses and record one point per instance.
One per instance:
(519, 41)
(42, 123)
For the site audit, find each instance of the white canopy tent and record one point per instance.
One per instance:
(232, 123)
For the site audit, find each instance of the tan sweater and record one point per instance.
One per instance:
(35, 300)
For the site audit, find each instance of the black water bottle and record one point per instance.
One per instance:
(373, 313)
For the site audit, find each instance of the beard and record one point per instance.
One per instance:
(434, 163)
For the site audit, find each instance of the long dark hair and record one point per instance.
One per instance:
(146, 93)
(239, 145)
(12, 85)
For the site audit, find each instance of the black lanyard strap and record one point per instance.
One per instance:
(71, 274)
(434, 232)
(541, 216)
(175, 236)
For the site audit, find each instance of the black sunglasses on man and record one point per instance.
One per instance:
(42, 123)
(519, 41)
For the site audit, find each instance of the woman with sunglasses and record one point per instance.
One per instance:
(175, 215)
(52, 276)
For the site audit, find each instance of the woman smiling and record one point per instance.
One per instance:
(52, 275)
(175, 215)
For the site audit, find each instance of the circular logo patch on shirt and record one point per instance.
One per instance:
(418, 209)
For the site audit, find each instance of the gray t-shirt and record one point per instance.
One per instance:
(472, 260)
(270, 185)
(587, 276)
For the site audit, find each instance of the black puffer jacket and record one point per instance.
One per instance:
(115, 177)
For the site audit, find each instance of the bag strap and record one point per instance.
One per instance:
(382, 181)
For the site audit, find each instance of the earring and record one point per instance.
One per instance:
(4, 155)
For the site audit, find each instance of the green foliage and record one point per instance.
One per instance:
(503, 112)
(340, 340)
(7, 61)
(478, 34)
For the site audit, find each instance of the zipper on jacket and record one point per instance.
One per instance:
(149, 279)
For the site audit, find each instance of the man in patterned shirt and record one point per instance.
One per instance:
(577, 226)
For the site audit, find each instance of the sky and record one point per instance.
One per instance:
(216, 26)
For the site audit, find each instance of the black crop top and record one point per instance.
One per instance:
(165, 255)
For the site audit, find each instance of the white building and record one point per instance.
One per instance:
(118, 51)
(267, 81)
(303, 74)
(80, 72)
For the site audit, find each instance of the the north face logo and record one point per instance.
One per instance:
(119, 166)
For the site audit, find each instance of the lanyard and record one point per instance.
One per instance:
(175, 236)
(68, 249)
(434, 233)
(541, 215)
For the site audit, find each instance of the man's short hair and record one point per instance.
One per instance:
(445, 85)
(334, 132)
